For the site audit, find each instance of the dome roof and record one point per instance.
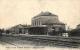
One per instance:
(45, 14)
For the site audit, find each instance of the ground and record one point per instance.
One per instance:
(14, 42)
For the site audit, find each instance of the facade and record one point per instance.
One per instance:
(49, 20)
(19, 29)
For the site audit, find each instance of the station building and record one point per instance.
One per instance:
(48, 21)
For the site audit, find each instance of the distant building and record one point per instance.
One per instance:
(47, 19)
(19, 29)
(75, 32)
(78, 26)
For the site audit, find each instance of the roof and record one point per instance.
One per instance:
(19, 26)
(45, 14)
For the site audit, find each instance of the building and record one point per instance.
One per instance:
(19, 29)
(49, 20)
(75, 32)
(78, 26)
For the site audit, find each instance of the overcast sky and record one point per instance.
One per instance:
(13, 12)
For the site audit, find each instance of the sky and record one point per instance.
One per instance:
(14, 12)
